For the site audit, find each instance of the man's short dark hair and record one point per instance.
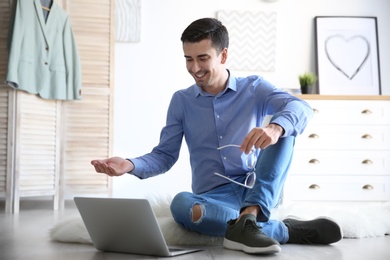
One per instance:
(207, 28)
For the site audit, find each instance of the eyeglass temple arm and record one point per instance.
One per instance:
(228, 145)
(227, 178)
(233, 145)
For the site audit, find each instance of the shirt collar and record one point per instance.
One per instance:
(231, 84)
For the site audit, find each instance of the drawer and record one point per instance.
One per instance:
(340, 188)
(345, 162)
(344, 137)
(350, 112)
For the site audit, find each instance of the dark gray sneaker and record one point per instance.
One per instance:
(245, 235)
(317, 231)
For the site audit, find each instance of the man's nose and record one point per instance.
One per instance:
(195, 67)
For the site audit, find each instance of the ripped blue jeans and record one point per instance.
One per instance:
(224, 203)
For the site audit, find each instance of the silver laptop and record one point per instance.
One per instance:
(125, 226)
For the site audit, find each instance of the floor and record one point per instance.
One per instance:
(25, 236)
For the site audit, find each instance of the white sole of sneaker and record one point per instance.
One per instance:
(228, 244)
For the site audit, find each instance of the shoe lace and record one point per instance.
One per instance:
(252, 227)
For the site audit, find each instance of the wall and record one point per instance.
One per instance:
(147, 73)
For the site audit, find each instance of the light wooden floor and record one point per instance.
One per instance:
(25, 236)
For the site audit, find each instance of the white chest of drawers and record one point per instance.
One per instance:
(344, 153)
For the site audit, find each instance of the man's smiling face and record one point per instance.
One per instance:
(206, 65)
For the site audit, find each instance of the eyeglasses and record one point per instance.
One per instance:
(250, 163)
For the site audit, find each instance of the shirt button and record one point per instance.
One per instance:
(47, 48)
(46, 63)
(224, 158)
(217, 116)
(220, 137)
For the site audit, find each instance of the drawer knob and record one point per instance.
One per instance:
(314, 187)
(366, 112)
(366, 136)
(314, 161)
(368, 187)
(367, 161)
(314, 136)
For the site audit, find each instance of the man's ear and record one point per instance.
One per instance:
(224, 55)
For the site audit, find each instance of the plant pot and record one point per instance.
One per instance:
(306, 89)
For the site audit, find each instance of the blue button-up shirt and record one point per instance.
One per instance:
(209, 121)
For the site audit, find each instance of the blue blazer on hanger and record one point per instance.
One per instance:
(43, 57)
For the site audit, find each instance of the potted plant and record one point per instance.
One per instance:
(307, 80)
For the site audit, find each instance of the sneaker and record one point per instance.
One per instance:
(245, 235)
(317, 231)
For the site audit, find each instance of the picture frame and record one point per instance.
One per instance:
(347, 52)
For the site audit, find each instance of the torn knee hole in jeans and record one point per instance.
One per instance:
(197, 213)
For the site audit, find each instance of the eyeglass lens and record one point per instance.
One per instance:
(251, 161)
(250, 179)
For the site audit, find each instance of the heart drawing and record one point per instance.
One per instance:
(347, 54)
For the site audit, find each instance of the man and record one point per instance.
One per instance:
(232, 194)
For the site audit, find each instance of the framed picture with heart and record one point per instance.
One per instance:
(347, 55)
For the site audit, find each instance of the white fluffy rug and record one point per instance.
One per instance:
(357, 221)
